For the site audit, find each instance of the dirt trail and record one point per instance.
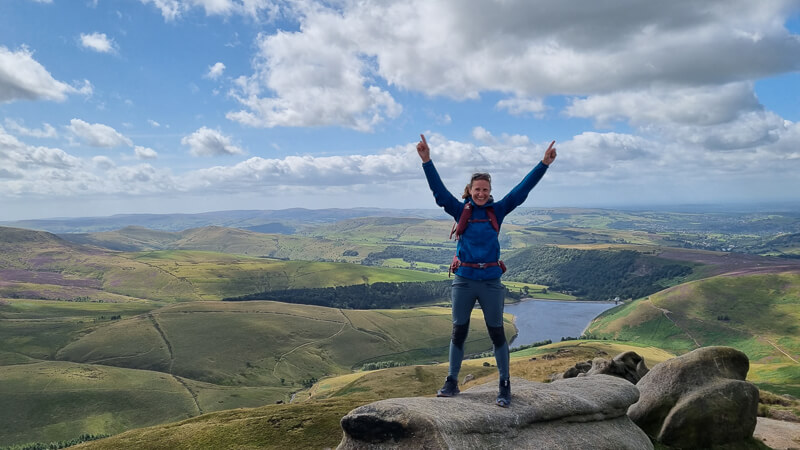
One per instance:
(666, 313)
(166, 341)
(778, 434)
(280, 359)
(781, 350)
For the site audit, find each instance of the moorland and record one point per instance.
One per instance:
(257, 328)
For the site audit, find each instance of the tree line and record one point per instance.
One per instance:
(381, 295)
(593, 274)
(433, 255)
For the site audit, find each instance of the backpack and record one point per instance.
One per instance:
(461, 226)
(464, 220)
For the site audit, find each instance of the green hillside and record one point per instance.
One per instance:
(758, 314)
(596, 274)
(226, 240)
(314, 423)
(269, 343)
(40, 265)
(48, 401)
(202, 356)
(213, 276)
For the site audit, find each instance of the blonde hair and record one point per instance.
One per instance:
(476, 176)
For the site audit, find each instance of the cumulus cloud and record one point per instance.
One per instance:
(24, 78)
(332, 70)
(520, 106)
(208, 142)
(47, 130)
(316, 82)
(97, 134)
(215, 71)
(145, 152)
(153, 123)
(703, 105)
(173, 9)
(103, 162)
(98, 42)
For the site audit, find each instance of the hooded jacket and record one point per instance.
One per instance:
(479, 243)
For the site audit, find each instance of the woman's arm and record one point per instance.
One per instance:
(520, 192)
(442, 196)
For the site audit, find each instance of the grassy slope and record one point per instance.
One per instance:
(314, 423)
(47, 401)
(225, 240)
(218, 355)
(260, 343)
(763, 312)
(213, 276)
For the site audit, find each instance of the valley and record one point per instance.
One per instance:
(105, 330)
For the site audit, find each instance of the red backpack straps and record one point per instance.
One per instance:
(493, 219)
(464, 219)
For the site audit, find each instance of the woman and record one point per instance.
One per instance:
(477, 266)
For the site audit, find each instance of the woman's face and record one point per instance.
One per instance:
(480, 191)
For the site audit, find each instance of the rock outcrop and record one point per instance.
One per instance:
(628, 365)
(698, 399)
(567, 414)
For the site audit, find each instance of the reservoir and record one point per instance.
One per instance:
(538, 320)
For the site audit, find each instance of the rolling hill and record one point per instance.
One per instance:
(199, 357)
(758, 314)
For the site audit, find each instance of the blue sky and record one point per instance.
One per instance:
(160, 106)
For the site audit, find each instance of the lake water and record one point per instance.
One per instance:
(538, 320)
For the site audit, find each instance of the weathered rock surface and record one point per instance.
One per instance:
(698, 399)
(628, 365)
(567, 414)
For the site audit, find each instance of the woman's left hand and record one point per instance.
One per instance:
(549, 154)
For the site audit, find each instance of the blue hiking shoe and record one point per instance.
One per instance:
(504, 397)
(449, 389)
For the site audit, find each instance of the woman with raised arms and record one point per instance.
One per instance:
(476, 266)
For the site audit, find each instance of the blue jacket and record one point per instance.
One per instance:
(479, 244)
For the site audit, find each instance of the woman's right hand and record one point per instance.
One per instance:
(423, 149)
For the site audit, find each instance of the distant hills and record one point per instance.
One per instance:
(113, 323)
(272, 221)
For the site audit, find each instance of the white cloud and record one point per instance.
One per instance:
(704, 105)
(153, 123)
(173, 9)
(208, 142)
(170, 9)
(520, 106)
(23, 78)
(47, 130)
(98, 42)
(103, 162)
(332, 70)
(145, 152)
(97, 134)
(215, 71)
(319, 79)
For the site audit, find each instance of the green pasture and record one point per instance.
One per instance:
(214, 276)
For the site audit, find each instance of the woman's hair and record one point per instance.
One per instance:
(476, 176)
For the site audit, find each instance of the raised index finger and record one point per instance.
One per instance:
(423, 139)
(551, 145)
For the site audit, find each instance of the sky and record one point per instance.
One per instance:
(185, 106)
